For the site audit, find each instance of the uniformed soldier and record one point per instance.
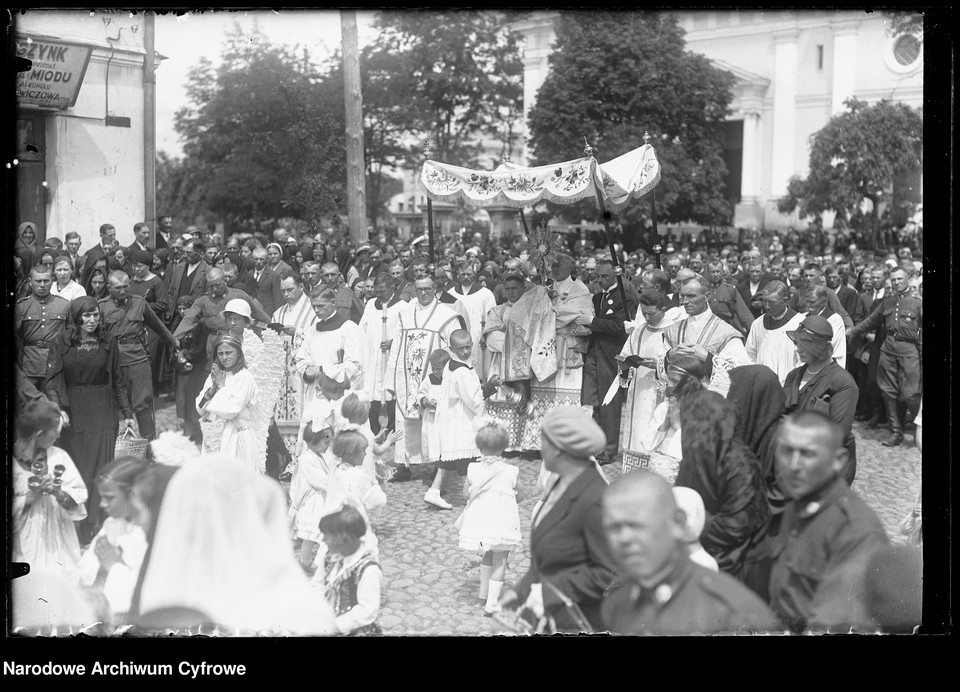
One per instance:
(725, 300)
(125, 316)
(38, 320)
(661, 591)
(827, 533)
(899, 367)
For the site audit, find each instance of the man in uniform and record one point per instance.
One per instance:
(38, 320)
(661, 591)
(126, 317)
(600, 366)
(725, 300)
(827, 533)
(207, 308)
(899, 369)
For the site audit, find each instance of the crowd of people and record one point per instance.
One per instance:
(731, 375)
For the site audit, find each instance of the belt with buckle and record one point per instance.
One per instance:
(128, 340)
(41, 344)
(908, 339)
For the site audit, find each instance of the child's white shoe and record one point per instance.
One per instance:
(433, 498)
(493, 597)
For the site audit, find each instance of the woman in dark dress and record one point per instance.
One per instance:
(149, 286)
(93, 288)
(190, 371)
(88, 386)
(724, 470)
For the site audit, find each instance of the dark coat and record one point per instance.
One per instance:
(753, 301)
(850, 300)
(268, 290)
(198, 284)
(606, 341)
(568, 549)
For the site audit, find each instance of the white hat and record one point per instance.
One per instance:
(238, 306)
(691, 503)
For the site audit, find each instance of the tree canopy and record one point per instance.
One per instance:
(615, 75)
(260, 138)
(857, 155)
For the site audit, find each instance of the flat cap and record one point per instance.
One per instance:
(574, 431)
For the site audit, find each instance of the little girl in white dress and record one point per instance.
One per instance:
(491, 519)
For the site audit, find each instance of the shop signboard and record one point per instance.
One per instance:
(56, 72)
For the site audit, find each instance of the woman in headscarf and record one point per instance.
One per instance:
(26, 246)
(759, 401)
(228, 395)
(723, 469)
(47, 256)
(569, 556)
(221, 556)
(820, 384)
(275, 260)
(88, 385)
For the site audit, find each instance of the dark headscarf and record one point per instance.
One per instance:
(758, 399)
(80, 305)
(722, 468)
(27, 252)
(344, 259)
(88, 286)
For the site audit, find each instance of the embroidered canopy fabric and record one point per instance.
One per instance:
(626, 177)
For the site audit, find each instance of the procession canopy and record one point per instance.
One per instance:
(630, 176)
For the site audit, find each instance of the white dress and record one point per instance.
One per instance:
(234, 403)
(43, 532)
(122, 576)
(491, 519)
(308, 492)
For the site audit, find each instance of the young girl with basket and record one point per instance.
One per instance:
(491, 519)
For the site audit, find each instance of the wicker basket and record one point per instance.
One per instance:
(130, 444)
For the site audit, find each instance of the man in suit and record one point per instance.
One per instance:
(751, 285)
(242, 281)
(268, 282)
(567, 544)
(187, 278)
(73, 243)
(600, 365)
(849, 298)
(164, 231)
(108, 236)
(141, 238)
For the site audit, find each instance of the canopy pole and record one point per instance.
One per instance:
(523, 220)
(433, 257)
(617, 268)
(653, 215)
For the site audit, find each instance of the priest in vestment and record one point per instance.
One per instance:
(553, 324)
(423, 325)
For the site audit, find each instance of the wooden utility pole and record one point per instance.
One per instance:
(353, 100)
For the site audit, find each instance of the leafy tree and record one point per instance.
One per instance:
(903, 22)
(858, 154)
(260, 139)
(449, 76)
(615, 75)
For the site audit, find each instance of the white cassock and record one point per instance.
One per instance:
(768, 343)
(377, 325)
(476, 302)
(333, 345)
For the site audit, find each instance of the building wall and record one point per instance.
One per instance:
(775, 56)
(95, 172)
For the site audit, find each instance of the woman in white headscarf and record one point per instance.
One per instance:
(221, 556)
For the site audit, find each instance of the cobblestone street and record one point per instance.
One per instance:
(430, 585)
